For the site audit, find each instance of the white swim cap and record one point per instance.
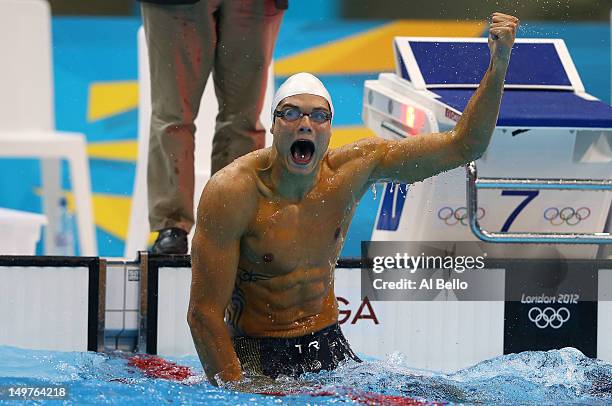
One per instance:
(301, 83)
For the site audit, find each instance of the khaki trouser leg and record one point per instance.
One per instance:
(247, 32)
(181, 41)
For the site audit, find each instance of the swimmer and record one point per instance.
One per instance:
(271, 225)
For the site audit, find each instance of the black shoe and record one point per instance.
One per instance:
(170, 241)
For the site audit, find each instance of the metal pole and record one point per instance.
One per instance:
(473, 184)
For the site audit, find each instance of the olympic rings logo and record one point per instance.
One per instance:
(567, 215)
(549, 317)
(452, 216)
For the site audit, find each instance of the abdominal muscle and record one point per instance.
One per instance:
(287, 305)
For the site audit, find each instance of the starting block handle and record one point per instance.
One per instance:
(394, 129)
(473, 184)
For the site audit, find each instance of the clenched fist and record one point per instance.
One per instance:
(502, 33)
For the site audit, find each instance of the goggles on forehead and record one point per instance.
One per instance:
(294, 113)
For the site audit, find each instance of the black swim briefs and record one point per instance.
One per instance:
(322, 350)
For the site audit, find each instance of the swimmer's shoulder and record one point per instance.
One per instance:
(257, 163)
(232, 189)
(366, 149)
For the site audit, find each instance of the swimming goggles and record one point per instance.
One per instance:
(294, 113)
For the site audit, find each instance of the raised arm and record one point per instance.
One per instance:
(223, 215)
(419, 157)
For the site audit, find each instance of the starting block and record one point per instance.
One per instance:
(548, 127)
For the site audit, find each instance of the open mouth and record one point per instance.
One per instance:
(302, 151)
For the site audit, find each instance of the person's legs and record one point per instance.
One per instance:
(246, 36)
(181, 42)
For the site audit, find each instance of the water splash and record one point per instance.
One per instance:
(561, 375)
(551, 377)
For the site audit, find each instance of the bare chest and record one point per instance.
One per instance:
(291, 236)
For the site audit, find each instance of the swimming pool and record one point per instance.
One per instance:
(554, 377)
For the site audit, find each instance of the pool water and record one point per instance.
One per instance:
(554, 377)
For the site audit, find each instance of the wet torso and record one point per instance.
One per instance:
(284, 284)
